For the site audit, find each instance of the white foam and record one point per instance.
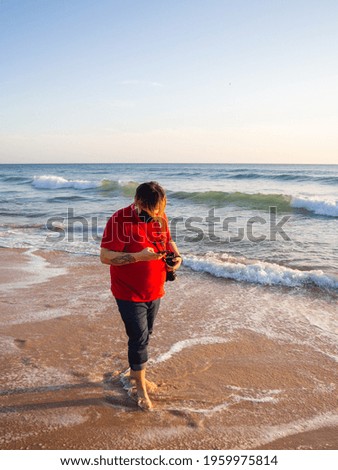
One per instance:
(265, 399)
(7, 345)
(57, 182)
(34, 316)
(254, 396)
(204, 411)
(260, 272)
(38, 270)
(271, 433)
(250, 391)
(319, 206)
(33, 377)
(56, 419)
(188, 343)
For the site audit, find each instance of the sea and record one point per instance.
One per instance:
(260, 224)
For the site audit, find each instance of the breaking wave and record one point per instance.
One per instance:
(58, 182)
(53, 182)
(260, 272)
(316, 205)
(284, 203)
(259, 201)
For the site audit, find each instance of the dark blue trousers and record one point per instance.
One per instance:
(138, 318)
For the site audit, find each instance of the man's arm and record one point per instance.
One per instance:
(174, 248)
(118, 258)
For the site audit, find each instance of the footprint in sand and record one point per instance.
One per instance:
(20, 343)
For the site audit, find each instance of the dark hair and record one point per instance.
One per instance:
(151, 195)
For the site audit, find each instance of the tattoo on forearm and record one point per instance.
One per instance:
(123, 259)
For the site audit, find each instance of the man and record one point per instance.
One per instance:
(134, 243)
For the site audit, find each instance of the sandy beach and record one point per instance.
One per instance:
(221, 385)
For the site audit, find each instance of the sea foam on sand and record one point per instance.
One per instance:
(37, 270)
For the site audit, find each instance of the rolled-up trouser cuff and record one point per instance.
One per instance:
(137, 367)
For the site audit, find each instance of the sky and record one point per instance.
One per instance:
(223, 81)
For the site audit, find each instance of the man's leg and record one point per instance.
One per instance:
(153, 308)
(135, 318)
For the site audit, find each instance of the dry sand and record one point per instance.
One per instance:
(63, 347)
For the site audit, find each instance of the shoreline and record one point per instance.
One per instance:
(63, 347)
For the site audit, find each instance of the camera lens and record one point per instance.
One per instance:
(170, 262)
(169, 259)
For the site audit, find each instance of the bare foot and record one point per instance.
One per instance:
(138, 386)
(143, 401)
(151, 386)
(130, 382)
(141, 398)
(145, 404)
(132, 393)
(126, 380)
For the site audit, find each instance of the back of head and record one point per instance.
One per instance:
(151, 197)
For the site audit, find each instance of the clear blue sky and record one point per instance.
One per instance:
(169, 80)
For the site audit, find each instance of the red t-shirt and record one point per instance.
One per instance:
(126, 232)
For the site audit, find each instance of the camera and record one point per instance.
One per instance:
(169, 261)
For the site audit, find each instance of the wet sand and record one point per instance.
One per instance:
(224, 382)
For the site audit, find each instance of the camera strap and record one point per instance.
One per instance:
(156, 247)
